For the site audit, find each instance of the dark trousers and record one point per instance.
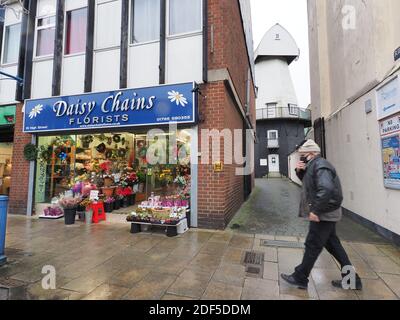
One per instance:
(321, 235)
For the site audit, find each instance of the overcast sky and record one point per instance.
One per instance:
(291, 14)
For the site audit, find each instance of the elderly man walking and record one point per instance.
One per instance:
(321, 203)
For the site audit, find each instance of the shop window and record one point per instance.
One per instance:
(45, 36)
(76, 21)
(113, 162)
(12, 35)
(146, 21)
(185, 16)
(5, 167)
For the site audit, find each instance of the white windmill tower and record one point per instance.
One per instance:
(280, 122)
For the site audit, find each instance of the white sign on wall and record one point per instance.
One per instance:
(263, 162)
(390, 126)
(388, 97)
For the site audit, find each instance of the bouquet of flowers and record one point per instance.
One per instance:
(109, 200)
(106, 166)
(67, 201)
(77, 188)
(180, 181)
(86, 203)
(54, 211)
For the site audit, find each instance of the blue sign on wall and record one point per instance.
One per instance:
(123, 108)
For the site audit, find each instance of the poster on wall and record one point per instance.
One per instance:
(388, 97)
(390, 139)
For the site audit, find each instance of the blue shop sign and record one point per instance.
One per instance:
(123, 108)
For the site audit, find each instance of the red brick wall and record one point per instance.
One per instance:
(222, 194)
(20, 168)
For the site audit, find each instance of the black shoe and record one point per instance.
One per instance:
(294, 282)
(339, 284)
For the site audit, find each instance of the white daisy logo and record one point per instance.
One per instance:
(178, 98)
(36, 111)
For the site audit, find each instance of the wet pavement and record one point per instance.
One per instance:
(107, 262)
(273, 209)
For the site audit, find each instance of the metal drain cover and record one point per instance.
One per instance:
(282, 244)
(254, 263)
(252, 257)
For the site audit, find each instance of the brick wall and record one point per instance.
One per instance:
(222, 194)
(20, 168)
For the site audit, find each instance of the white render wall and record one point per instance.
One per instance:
(274, 83)
(8, 87)
(184, 57)
(344, 64)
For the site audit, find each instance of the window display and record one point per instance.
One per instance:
(124, 168)
(5, 167)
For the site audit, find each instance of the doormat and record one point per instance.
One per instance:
(282, 244)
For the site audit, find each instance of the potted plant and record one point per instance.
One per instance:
(129, 194)
(109, 204)
(69, 203)
(142, 180)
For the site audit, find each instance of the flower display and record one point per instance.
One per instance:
(106, 166)
(54, 211)
(77, 188)
(67, 201)
(109, 200)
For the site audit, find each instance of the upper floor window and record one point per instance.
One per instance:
(146, 21)
(272, 134)
(293, 110)
(46, 28)
(185, 16)
(12, 35)
(76, 21)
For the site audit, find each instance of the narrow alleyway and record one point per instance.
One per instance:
(273, 210)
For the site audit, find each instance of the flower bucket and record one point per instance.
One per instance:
(89, 216)
(125, 202)
(109, 207)
(117, 204)
(81, 215)
(69, 216)
(132, 199)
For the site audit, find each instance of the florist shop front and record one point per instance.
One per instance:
(114, 148)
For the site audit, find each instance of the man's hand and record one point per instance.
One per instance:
(313, 217)
(301, 166)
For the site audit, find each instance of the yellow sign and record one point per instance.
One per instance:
(218, 166)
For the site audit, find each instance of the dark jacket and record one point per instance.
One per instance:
(322, 190)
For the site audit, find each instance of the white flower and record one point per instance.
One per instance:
(36, 111)
(178, 98)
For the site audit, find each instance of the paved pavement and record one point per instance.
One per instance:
(105, 261)
(273, 209)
